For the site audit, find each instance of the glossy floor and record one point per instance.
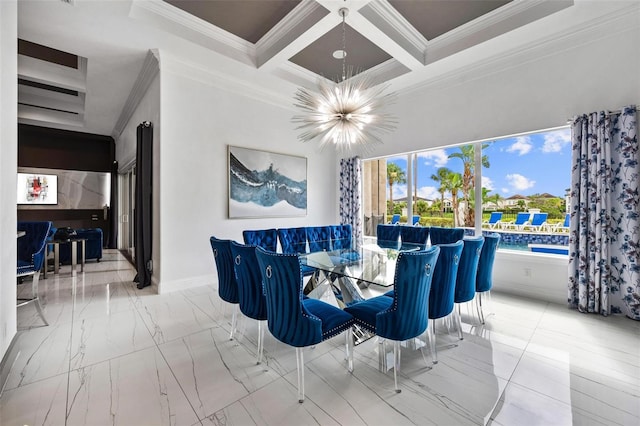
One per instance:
(121, 356)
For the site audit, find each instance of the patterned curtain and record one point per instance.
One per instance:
(604, 245)
(350, 195)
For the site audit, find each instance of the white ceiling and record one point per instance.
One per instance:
(115, 35)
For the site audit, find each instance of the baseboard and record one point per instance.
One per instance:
(177, 285)
(7, 362)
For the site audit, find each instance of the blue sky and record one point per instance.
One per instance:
(525, 165)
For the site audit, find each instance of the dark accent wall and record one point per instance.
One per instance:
(47, 148)
(63, 149)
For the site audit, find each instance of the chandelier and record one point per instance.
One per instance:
(349, 113)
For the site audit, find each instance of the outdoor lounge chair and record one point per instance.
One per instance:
(538, 222)
(494, 220)
(521, 220)
(561, 226)
(394, 219)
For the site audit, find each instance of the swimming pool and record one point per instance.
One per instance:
(509, 240)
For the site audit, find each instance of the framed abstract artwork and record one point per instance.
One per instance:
(266, 184)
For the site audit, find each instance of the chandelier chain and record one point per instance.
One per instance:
(344, 47)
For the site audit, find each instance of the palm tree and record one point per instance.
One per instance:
(394, 175)
(440, 177)
(495, 198)
(467, 155)
(453, 184)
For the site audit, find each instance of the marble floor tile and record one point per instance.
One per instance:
(214, 371)
(43, 353)
(592, 392)
(39, 403)
(98, 339)
(173, 316)
(277, 404)
(525, 407)
(134, 389)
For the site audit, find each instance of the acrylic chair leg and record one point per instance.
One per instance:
(34, 295)
(432, 341)
(234, 319)
(479, 308)
(349, 348)
(260, 341)
(300, 364)
(396, 364)
(382, 355)
(458, 321)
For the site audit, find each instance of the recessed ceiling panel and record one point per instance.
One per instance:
(247, 19)
(432, 18)
(362, 54)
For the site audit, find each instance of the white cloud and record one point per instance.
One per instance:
(399, 191)
(429, 192)
(487, 183)
(437, 157)
(519, 182)
(521, 146)
(555, 141)
(505, 190)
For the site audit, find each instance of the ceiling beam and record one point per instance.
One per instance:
(271, 57)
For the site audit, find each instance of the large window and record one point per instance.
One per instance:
(528, 173)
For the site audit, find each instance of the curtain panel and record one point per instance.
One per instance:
(144, 202)
(350, 196)
(604, 243)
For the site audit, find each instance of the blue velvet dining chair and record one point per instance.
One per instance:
(265, 238)
(389, 236)
(414, 235)
(252, 301)
(404, 315)
(342, 239)
(439, 235)
(31, 254)
(294, 320)
(341, 236)
(466, 277)
(443, 288)
(294, 241)
(319, 238)
(484, 278)
(227, 284)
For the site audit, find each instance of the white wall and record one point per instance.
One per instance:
(199, 120)
(8, 169)
(539, 276)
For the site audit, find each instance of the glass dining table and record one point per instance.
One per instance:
(357, 274)
(347, 276)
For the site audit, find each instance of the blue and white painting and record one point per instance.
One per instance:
(263, 184)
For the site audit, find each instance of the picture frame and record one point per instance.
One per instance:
(37, 189)
(265, 184)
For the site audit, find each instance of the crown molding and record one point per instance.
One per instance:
(396, 26)
(609, 25)
(386, 71)
(492, 24)
(209, 76)
(300, 19)
(168, 18)
(148, 73)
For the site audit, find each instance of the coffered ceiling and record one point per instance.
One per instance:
(269, 47)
